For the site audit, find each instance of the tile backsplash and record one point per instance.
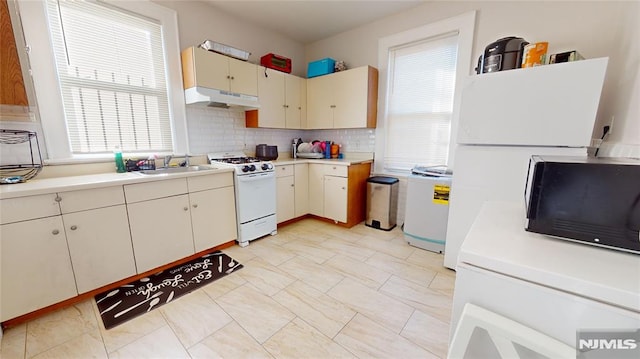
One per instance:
(219, 130)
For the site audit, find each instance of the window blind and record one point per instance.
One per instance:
(420, 103)
(111, 69)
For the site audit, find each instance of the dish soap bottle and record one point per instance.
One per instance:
(119, 162)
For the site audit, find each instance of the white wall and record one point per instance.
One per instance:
(595, 29)
(198, 21)
(214, 130)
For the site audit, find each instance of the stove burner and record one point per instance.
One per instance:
(238, 160)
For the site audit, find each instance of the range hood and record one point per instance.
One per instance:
(219, 98)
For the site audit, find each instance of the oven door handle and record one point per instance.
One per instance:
(255, 177)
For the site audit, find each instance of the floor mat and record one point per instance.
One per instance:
(131, 300)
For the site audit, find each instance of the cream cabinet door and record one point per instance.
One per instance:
(211, 69)
(335, 198)
(243, 77)
(100, 246)
(213, 217)
(293, 101)
(350, 91)
(160, 231)
(320, 102)
(272, 110)
(36, 269)
(301, 181)
(285, 198)
(316, 189)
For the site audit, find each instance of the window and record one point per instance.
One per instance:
(111, 63)
(422, 68)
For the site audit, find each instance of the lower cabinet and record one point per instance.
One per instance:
(36, 268)
(213, 217)
(160, 231)
(335, 198)
(301, 180)
(58, 245)
(100, 246)
(316, 189)
(338, 192)
(285, 193)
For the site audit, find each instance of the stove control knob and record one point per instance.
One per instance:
(252, 168)
(245, 169)
(267, 166)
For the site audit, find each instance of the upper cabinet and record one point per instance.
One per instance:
(346, 99)
(12, 88)
(208, 69)
(282, 100)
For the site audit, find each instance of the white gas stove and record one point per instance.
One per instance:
(255, 190)
(243, 164)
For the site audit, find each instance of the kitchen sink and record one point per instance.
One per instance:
(170, 170)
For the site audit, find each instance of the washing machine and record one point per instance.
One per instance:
(427, 210)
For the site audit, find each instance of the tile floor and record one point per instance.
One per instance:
(313, 291)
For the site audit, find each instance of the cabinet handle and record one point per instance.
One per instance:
(228, 77)
(74, 227)
(343, 188)
(195, 205)
(333, 106)
(55, 232)
(292, 185)
(233, 78)
(58, 199)
(186, 208)
(334, 167)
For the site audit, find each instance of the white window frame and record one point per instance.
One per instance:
(464, 25)
(47, 89)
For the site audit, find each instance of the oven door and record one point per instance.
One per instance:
(256, 196)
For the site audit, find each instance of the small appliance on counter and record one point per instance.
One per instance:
(266, 153)
(503, 54)
(587, 200)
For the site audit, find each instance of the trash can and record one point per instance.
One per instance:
(382, 202)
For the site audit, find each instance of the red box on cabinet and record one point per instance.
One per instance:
(276, 62)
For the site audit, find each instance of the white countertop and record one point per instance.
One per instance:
(62, 184)
(498, 242)
(351, 158)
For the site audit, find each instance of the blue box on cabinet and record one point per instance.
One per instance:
(321, 67)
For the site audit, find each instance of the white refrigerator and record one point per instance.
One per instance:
(505, 118)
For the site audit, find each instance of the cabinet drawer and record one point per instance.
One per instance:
(283, 171)
(30, 207)
(151, 190)
(335, 170)
(201, 183)
(76, 201)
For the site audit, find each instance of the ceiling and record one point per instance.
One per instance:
(307, 21)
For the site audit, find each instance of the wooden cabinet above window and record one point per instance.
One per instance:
(12, 90)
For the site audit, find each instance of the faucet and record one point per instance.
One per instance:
(185, 163)
(167, 159)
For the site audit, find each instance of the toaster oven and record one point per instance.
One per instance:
(276, 62)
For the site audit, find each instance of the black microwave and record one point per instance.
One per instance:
(588, 200)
